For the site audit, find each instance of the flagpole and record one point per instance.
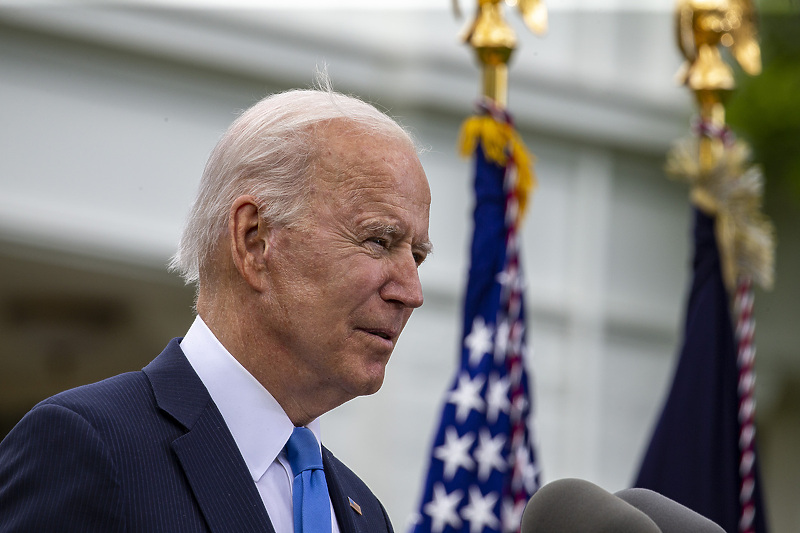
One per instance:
(494, 41)
(484, 466)
(702, 27)
(726, 189)
(493, 134)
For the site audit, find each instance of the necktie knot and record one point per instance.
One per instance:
(303, 451)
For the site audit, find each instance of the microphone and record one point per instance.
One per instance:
(578, 506)
(669, 515)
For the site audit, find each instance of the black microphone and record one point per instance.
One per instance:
(578, 506)
(669, 515)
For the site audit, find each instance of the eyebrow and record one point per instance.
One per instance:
(426, 247)
(382, 228)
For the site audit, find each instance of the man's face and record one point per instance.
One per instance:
(344, 284)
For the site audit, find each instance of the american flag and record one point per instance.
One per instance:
(483, 466)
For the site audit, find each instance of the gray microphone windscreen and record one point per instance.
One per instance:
(578, 506)
(670, 516)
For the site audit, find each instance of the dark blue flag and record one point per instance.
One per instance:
(483, 468)
(695, 454)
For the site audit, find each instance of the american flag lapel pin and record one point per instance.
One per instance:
(354, 505)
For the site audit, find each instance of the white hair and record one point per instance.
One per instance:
(268, 152)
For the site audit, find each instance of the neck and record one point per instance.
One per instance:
(302, 400)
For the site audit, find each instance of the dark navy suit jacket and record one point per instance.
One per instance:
(146, 451)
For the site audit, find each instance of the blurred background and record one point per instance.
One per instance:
(108, 111)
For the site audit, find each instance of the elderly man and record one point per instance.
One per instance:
(304, 242)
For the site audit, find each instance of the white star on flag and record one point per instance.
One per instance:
(501, 341)
(489, 454)
(511, 514)
(479, 340)
(467, 396)
(479, 512)
(497, 399)
(511, 279)
(525, 471)
(442, 508)
(454, 453)
(520, 404)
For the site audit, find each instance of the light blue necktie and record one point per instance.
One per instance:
(310, 500)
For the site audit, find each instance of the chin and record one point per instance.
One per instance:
(370, 384)
(374, 388)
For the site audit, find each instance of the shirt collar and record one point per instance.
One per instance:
(256, 420)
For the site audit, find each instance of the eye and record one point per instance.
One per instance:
(419, 257)
(380, 241)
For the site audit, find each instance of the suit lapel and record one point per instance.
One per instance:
(219, 477)
(344, 485)
(340, 500)
(207, 452)
(361, 514)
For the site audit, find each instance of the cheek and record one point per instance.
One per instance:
(360, 277)
(407, 317)
(309, 280)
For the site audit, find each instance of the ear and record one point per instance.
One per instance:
(249, 236)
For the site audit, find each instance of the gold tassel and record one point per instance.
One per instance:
(499, 140)
(732, 193)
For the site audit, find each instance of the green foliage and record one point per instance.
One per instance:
(765, 109)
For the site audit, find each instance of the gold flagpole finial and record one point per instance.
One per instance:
(702, 26)
(716, 164)
(494, 40)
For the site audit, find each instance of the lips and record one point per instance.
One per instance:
(383, 333)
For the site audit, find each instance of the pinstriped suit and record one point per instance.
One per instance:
(145, 451)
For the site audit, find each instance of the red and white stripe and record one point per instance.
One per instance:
(745, 327)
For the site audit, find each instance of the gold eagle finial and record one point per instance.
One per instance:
(702, 26)
(494, 40)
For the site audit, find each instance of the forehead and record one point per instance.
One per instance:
(365, 165)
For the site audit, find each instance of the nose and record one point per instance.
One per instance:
(403, 284)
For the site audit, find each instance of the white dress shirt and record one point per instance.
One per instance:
(257, 422)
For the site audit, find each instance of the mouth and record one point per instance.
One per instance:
(384, 334)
